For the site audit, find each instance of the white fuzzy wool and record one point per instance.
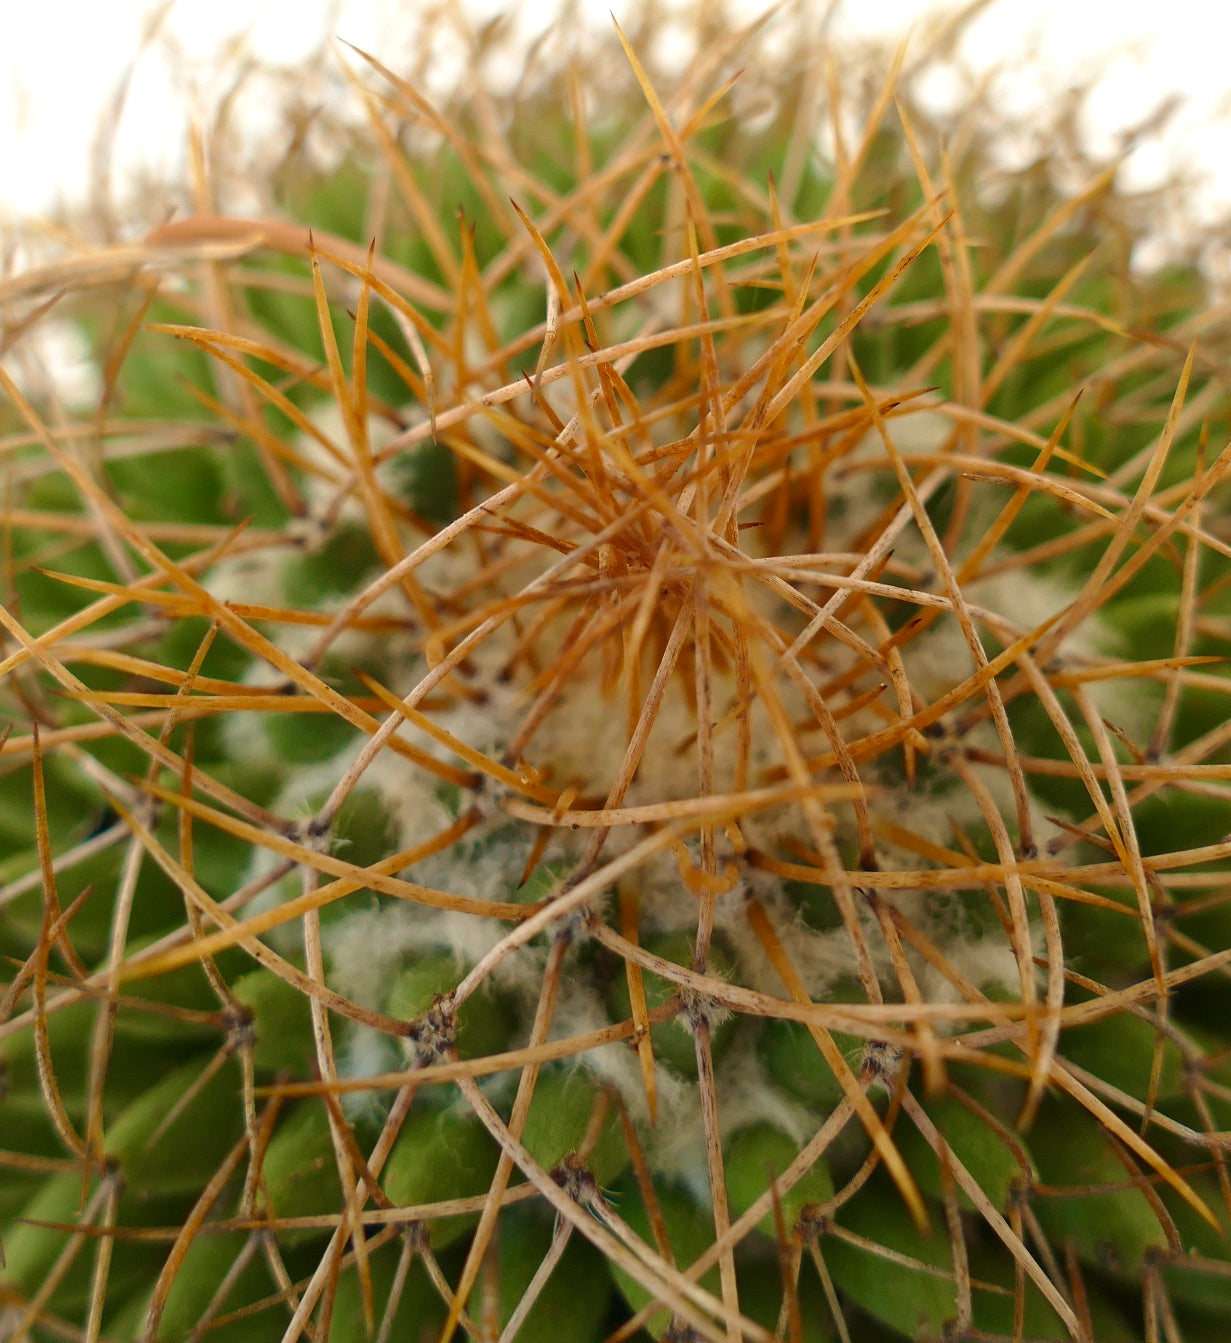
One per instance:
(582, 741)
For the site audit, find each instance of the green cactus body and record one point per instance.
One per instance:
(645, 759)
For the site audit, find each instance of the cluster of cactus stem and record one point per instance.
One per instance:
(615, 727)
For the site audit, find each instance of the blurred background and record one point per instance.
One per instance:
(62, 64)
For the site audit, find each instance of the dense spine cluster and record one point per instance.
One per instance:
(615, 727)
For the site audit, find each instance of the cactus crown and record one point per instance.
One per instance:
(615, 723)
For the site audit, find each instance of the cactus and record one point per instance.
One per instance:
(616, 729)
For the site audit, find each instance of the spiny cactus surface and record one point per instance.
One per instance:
(616, 727)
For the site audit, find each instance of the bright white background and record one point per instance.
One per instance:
(60, 59)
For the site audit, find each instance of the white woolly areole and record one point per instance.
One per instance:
(582, 741)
